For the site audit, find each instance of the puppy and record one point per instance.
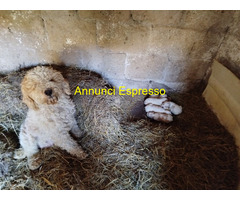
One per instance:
(50, 116)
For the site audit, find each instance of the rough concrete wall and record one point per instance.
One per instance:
(228, 53)
(130, 48)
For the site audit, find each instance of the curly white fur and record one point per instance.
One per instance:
(50, 116)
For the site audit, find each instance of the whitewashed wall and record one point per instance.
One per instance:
(131, 48)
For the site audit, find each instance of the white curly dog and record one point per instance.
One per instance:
(50, 116)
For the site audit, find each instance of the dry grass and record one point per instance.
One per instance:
(193, 152)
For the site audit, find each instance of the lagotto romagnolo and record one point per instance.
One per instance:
(50, 116)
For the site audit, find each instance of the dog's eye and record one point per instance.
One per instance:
(52, 80)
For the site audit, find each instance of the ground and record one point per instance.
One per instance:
(126, 152)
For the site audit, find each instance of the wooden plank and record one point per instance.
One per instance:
(223, 95)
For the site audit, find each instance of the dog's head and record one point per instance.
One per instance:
(43, 85)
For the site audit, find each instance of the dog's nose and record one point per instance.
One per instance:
(48, 92)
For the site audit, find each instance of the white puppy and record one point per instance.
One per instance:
(50, 116)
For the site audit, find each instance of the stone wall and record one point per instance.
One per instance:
(229, 52)
(132, 48)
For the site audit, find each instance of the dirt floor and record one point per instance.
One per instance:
(192, 152)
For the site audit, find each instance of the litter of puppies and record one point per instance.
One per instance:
(160, 108)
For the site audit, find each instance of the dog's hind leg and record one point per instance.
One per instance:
(29, 149)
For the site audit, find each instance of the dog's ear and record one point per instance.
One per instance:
(26, 87)
(30, 102)
(66, 87)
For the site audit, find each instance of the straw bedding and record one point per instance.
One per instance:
(192, 152)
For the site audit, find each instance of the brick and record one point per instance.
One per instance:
(173, 86)
(121, 37)
(181, 86)
(147, 66)
(88, 14)
(179, 44)
(183, 70)
(113, 65)
(159, 85)
(228, 54)
(129, 83)
(65, 29)
(105, 15)
(157, 17)
(234, 28)
(84, 57)
(22, 40)
(206, 20)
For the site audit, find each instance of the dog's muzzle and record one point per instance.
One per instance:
(52, 98)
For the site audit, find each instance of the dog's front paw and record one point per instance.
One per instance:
(19, 154)
(34, 162)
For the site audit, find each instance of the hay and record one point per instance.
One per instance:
(193, 152)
